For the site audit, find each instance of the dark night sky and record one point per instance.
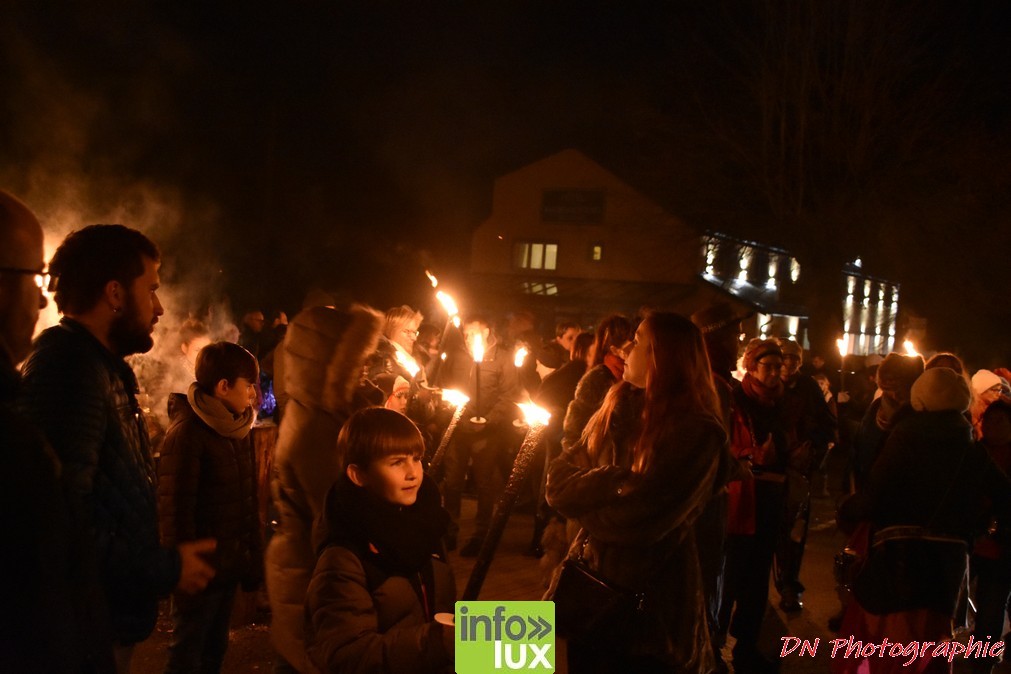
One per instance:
(351, 143)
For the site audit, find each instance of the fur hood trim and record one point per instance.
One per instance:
(325, 351)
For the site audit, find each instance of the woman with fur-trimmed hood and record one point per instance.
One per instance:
(324, 351)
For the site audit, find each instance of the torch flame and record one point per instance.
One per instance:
(408, 363)
(521, 355)
(841, 343)
(478, 347)
(534, 415)
(448, 303)
(455, 398)
(456, 321)
(910, 348)
(443, 356)
(431, 277)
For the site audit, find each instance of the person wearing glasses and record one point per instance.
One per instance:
(395, 355)
(45, 624)
(756, 503)
(987, 388)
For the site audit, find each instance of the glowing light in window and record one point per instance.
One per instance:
(710, 258)
(745, 262)
(794, 269)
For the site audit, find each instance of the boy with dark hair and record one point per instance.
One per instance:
(207, 488)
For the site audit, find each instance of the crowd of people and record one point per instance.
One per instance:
(677, 472)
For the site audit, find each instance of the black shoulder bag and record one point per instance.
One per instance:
(585, 601)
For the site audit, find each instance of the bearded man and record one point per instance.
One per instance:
(81, 393)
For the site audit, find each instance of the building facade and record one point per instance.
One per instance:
(566, 237)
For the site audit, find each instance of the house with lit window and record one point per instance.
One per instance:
(566, 237)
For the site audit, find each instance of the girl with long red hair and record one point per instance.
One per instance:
(648, 462)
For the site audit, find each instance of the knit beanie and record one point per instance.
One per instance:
(758, 349)
(983, 380)
(939, 389)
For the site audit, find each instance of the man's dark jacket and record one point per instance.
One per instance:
(83, 398)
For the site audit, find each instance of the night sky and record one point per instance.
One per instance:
(349, 145)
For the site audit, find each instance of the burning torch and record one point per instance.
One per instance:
(478, 350)
(452, 318)
(407, 363)
(458, 400)
(841, 344)
(537, 420)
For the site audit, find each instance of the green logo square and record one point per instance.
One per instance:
(505, 635)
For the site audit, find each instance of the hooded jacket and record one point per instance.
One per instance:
(324, 352)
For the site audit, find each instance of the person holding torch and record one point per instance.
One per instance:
(487, 374)
(647, 464)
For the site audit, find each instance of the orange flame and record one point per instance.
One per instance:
(455, 398)
(534, 415)
(448, 303)
(407, 362)
(910, 348)
(431, 277)
(521, 355)
(841, 344)
(478, 347)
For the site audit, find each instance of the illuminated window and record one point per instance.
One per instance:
(596, 252)
(535, 255)
(744, 262)
(773, 270)
(710, 253)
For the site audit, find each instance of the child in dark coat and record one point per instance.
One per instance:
(381, 575)
(207, 489)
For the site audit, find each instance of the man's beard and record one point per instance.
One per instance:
(128, 335)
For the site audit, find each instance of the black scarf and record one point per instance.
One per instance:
(400, 540)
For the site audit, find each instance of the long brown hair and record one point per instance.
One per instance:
(614, 330)
(679, 381)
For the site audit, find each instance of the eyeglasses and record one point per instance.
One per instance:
(410, 333)
(41, 278)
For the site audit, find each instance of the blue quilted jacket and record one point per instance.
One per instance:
(84, 399)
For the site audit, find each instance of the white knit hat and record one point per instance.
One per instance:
(983, 380)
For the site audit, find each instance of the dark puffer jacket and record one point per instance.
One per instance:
(207, 489)
(84, 400)
(52, 617)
